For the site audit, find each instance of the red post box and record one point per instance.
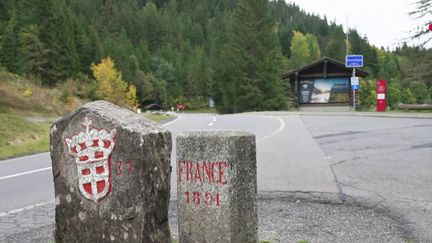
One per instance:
(381, 103)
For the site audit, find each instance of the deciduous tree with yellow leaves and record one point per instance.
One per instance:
(111, 87)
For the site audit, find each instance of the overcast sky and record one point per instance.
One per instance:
(385, 22)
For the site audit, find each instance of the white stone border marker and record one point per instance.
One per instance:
(217, 186)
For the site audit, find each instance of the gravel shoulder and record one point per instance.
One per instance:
(283, 217)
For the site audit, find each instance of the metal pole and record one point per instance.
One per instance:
(354, 100)
(347, 40)
(354, 92)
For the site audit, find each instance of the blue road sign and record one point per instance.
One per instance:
(354, 61)
(354, 87)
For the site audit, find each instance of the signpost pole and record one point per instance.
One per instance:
(354, 92)
(353, 61)
(354, 100)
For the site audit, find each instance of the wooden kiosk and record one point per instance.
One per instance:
(323, 85)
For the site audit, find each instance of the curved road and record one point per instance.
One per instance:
(27, 182)
(378, 162)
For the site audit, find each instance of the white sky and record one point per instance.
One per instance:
(385, 22)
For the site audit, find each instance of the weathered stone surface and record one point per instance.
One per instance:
(128, 159)
(216, 190)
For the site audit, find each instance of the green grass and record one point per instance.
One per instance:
(411, 111)
(208, 110)
(373, 110)
(21, 137)
(157, 117)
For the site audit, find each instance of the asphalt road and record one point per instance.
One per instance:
(27, 181)
(379, 169)
(385, 162)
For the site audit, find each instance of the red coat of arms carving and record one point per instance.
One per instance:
(92, 152)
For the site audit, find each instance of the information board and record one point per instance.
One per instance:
(354, 61)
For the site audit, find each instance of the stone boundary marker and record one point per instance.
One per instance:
(111, 172)
(217, 186)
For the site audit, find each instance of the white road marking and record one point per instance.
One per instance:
(171, 122)
(3, 214)
(281, 127)
(213, 121)
(24, 173)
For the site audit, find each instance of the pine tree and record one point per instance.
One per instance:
(85, 52)
(359, 45)
(144, 86)
(151, 23)
(9, 45)
(56, 32)
(110, 17)
(336, 44)
(66, 37)
(34, 54)
(198, 74)
(252, 62)
(143, 55)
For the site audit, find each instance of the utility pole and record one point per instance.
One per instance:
(347, 53)
(347, 40)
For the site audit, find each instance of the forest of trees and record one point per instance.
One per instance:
(190, 51)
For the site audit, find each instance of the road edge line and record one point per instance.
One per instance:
(171, 122)
(24, 173)
(280, 129)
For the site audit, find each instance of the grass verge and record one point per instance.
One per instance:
(158, 117)
(21, 137)
(208, 110)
